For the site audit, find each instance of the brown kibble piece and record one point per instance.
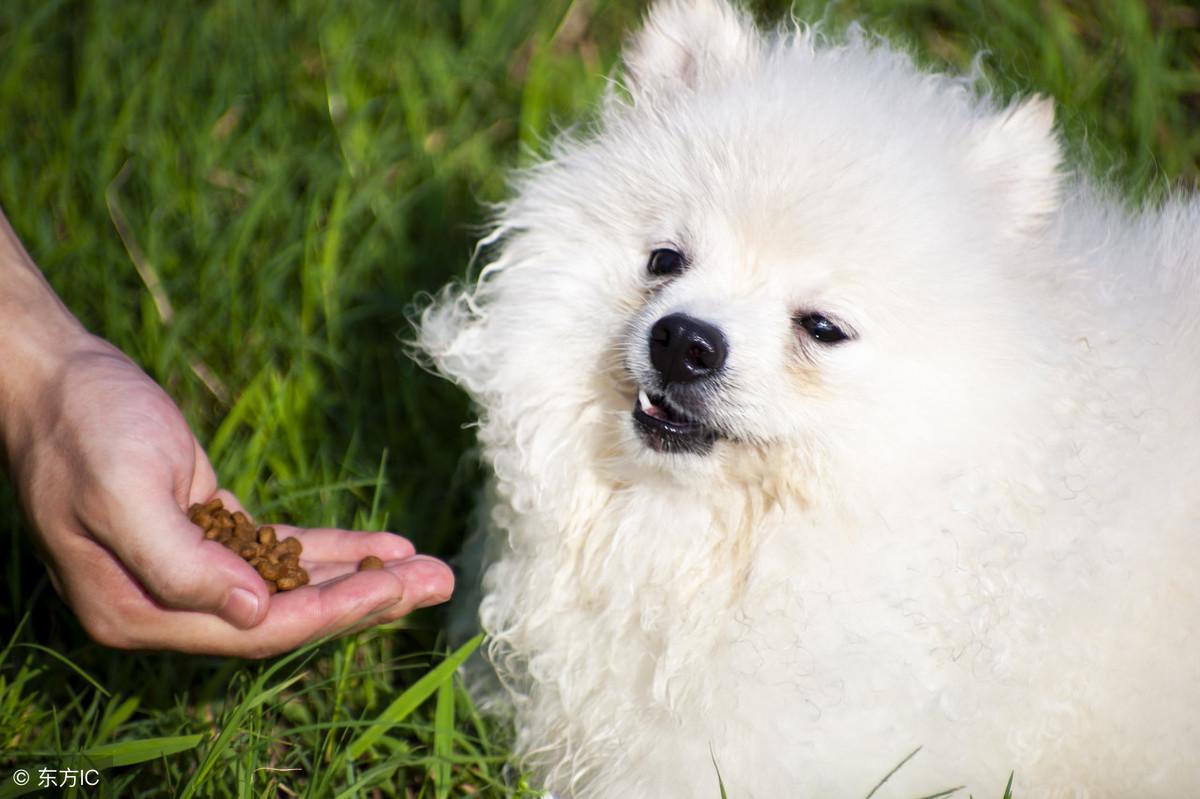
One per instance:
(287, 583)
(214, 504)
(194, 511)
(267, 570)
(288, 569)
(282, 554)
(291, 546)
(266, 536)
(369, 563)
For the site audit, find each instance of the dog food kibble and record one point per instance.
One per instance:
(370, 562)
(277, 562)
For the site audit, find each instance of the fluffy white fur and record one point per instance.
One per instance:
(971, 529)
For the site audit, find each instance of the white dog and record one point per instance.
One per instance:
(832, 418)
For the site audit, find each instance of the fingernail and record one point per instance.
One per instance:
(241, 608)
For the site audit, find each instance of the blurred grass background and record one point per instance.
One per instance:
(247, 195)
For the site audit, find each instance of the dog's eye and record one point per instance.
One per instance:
(666, 262)
(821, 329)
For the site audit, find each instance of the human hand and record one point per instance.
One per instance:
(106, 466)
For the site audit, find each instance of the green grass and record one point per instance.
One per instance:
(245, 196)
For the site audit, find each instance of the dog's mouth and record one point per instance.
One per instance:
(666, 428)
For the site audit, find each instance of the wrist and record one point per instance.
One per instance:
(36, 357)
(38, 336)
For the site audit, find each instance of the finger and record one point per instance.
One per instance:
(324, 571)
(387, 615)
(229, 502)
(328, 544)
(437, 588)
(171, 559)
(297, 617)
(109, 600)
(204, 479)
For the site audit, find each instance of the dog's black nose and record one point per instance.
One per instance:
(684, 349)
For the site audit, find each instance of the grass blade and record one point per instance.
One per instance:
(67, 662)
(408, 701)
(127, 753)
(892, 773)
(256, 697)
(443, 738)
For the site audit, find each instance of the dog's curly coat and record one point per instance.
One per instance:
(939, 489)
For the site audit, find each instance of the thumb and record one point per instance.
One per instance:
(175, 564)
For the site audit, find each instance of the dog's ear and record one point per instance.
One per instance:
(1019, 157)
(685, 43)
